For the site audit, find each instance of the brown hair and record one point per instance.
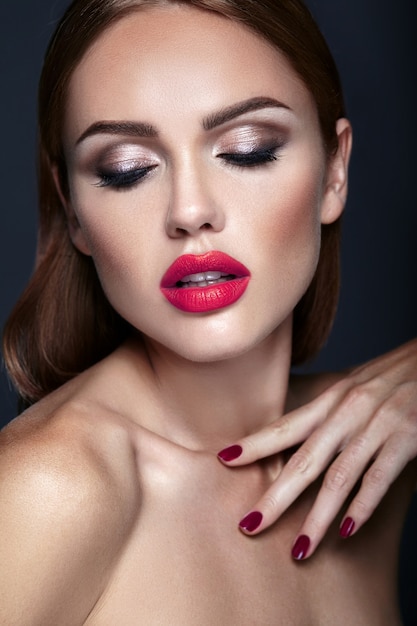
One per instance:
(63, 322)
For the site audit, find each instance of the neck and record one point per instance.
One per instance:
(208, 405)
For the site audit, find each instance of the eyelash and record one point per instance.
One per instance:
(250, 159)
(130, 178)
(123, 180)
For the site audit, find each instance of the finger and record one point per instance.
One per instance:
(339, 480)
(389, 454)
(285, 432)
(312, 459)
(388, 465)
(303, 467)
(342, 404)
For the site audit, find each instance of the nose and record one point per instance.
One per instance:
(192, 207)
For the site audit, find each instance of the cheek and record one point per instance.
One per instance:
(293, 228)
(289, 240)
(117, 247)
(109, 245)
(108, 226)
(120, 261)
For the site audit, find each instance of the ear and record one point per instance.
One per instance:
(337, 174)
(74, 228)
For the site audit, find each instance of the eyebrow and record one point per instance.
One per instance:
(131, 129)
(139, 129)
(235, 110)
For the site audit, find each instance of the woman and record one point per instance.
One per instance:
(182, 179)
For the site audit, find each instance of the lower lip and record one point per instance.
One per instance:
(205, 299)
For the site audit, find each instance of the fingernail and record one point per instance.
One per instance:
(231, 453)
(301, 547)
(251, 521)
(347, 528)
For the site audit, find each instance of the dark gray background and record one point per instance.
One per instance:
(373, 42)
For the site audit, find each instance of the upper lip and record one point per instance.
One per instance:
(193, 264)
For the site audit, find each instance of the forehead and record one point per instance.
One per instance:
(179, 58)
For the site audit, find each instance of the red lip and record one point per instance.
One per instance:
(201, 299)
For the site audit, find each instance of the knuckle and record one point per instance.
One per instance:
(358, 396)
(396, 446)
(251, 446)
(315, 526)
(375, 477)
(269, 503)
(400, 407)
(403, 393)
(362, 508)
(336, 479)
(280, 426)
(384, 413)
(358, 446)
(300, 462)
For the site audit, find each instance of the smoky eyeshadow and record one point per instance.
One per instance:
(249, 138)
(121, 159)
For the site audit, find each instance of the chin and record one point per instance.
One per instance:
(211, 346)
(214, 354)
(200, 351)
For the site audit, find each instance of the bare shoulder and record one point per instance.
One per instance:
(68, 500)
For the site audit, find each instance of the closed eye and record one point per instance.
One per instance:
(123, 180)
(250, 159)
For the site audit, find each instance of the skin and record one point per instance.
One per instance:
(366, 421)
(115, 507)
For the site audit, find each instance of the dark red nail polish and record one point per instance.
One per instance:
(231, 453)
(301, 547)
(251, 521)
(347, 528)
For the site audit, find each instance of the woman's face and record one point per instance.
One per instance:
(187, 136)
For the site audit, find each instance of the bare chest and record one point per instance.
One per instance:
(186, 563)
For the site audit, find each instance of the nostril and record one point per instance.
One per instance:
(179, 231)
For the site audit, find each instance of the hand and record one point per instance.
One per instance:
(365, 426)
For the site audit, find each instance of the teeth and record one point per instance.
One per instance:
(203, 276)
(204, 279)
(204, 283)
